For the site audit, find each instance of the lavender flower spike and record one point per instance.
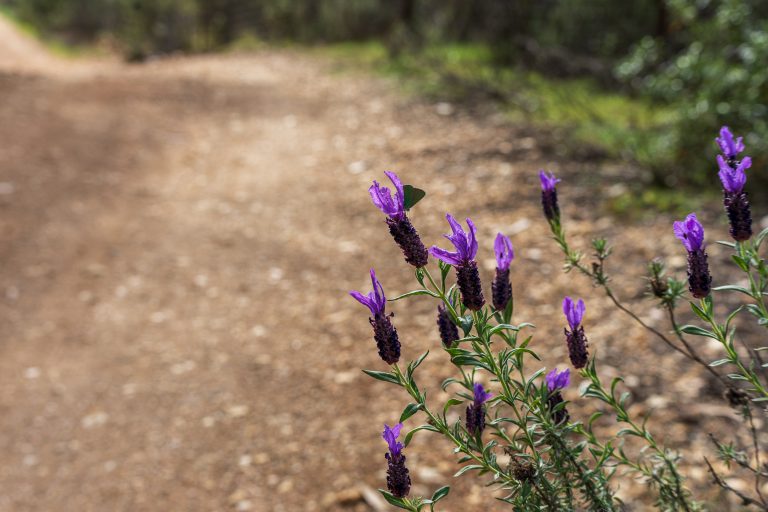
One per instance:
(467, 275)
(728, 146)
(555, 382)
(501, 286)
(475, 421)
(549, 195)
(400, 227)
(575, 338)
(733, 176)
(384, 332)
(691, 233)
(398, 479)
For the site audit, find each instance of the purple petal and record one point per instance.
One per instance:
(504, 251)
(390, 435)
(471, 240)
(728, 146)
(452, 258)
(364, 300)
(480, 394)
(558, 380)
(690, 232)
(573, 313)
(379, 298)
(399, 194)
(548, 182)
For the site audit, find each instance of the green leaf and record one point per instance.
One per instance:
(413, 293)
(409, 435)
(385, 376)
(450, 403)
(409, 411)
(441, 493)
(741, 262)
(697, 331)
(467, 468)
(412, 196)
(732, 288)
(719, 362)
(416, 362)
(392, 500)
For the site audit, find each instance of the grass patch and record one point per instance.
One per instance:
(618, 125)
(55, 46)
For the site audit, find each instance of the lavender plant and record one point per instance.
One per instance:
(516, 432)
(741, 371)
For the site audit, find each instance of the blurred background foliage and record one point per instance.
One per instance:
(647, 80)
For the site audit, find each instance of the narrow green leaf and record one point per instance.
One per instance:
(441, 493)
(409, 435)
(385, 376)
(409, 411)
(697, 331)
(392, 500)
(413, 293)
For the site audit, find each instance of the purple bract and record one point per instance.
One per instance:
(383, 199)
(558, 380)
(375, 300)
(548, 182)
(465, 244)
(574, 312)
(390, 435)
(690, 232)
(733, 179)
(481, 395)
(728, 146)
(505, 253)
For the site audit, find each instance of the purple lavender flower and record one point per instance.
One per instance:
(449, 333)
(691, 233)
(398, 479)
(467, 275)
(400, 227)
(733, 177)
(728, 146)
(501, 286)
(384, 333)
(549, 195)
(558, 380)
(575, 338)
(475, 421)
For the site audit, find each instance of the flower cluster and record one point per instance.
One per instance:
(575, 338)
(475, 421)
(691, 233)
(467, 275)
(502, 287)
(398, 479)
(400, 226)
(384, 333)
(733, 176)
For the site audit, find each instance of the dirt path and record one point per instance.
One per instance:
(177, 240)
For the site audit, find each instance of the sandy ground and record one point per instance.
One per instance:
(177, 240)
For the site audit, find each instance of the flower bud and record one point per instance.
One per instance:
(398, 479)
(470, 286)
(577, 347)
(739, 215)
(407, 238)
(502, 289)
(699, 279)
(386, 338)
(449, 333)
